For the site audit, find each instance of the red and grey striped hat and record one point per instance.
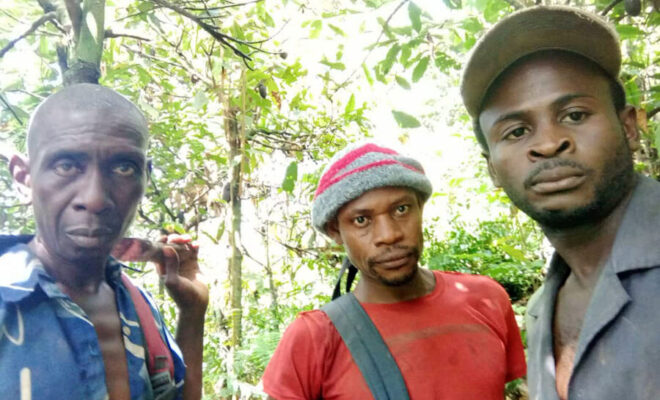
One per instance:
(357, 170)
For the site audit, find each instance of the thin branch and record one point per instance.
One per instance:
(609, 7)
(11, 109)
(110, 34)
(247, 253)
(382, 32)
(47, 6)
(210, 29)
(223, 7)
(136, 14)
(36, 24)
(221, 37)
(652, 113)
(205, 17)
(8, 14)
(75, 15)
(144, 217)
(36, 96)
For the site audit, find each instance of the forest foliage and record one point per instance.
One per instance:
(248, 100)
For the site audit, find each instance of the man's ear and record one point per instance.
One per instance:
(491, 171)
(628, 118)
(19, 167)
(332, 228)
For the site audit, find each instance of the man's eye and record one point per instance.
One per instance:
(515, 133)
(360, 220)
(402, 209)
(125, 169)
(66, 168)
(575, 116)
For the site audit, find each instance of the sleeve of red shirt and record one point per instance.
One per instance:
(515, 353)
(296, 369)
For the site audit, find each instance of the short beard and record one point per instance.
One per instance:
(399, 280)
(609, 191)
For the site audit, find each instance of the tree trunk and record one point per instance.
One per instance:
(82, 63)
(235, 262)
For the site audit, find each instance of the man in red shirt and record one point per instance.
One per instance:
(453, 336)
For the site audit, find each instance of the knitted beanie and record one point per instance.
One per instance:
(357, 170)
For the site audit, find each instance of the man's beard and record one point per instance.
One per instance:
(615, 183)
(398, 280)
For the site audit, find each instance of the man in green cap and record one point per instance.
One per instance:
(550, 114)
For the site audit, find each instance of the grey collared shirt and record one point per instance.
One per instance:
(618, 352)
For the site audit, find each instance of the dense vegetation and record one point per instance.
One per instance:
(246, 102)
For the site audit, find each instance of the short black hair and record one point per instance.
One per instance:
(617, 93)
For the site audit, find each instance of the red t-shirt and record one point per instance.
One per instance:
(460, 341)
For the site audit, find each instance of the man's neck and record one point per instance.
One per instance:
(422, 283)
(81, 277)
(586, 248)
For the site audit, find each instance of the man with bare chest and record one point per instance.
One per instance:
(69, 328)
(550, 114)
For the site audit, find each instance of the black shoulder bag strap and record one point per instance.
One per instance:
(367, 347)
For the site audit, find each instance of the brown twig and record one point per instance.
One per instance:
(75, 15)
(210, 29)
(110, 34)
(223, 7)
(11, 109)
(36, 24)
(652, 113)
(609, 7)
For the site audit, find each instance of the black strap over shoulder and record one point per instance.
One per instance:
(352, 272)
(367, 347)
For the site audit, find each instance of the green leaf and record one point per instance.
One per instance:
(513, 252)
(367, 74)
(316, 29)
(420, 68)
(493, 10)
(472, 25)
(402, 82)
(337, 30)
(390, 58)
(350, 106)
(144, 6)
(633, 93)
(334, 65)
(415, 13)
(290, 177)
(405, 120)
(405, 54)
(453, 4)
(657, 136)
(629, 31)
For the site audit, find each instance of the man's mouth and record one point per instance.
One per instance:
(558, 179)
(393, 260)
(90, 236)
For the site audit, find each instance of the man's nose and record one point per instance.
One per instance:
(549, 141)
(93, 194)
(386, 231)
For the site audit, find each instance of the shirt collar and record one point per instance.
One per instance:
(637, 243)
(22, 273)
